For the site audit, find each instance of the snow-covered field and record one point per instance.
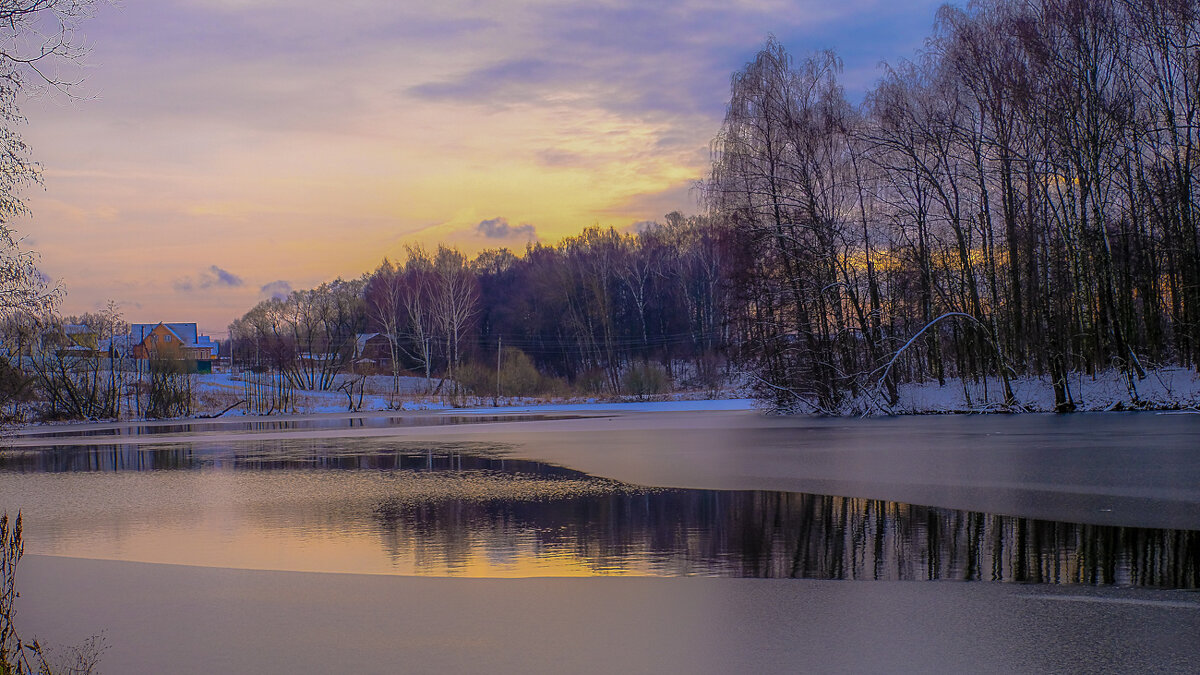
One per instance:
(217, 391)
(1161, 389)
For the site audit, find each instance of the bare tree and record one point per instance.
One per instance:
(420, 316)
(384, 302)
(455, 303)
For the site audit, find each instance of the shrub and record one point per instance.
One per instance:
(645, 379)
(18, 657)
(592, 382)
(475, 378)
(170, 392)
(518, 377)
(15, 388)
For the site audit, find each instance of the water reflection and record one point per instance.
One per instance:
(380, 506)
(253, 424)
(777, 534)
(364, 454)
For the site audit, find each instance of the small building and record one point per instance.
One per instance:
(372, 352)
(117, 347)
(374, 346)
(74, 340)
(150, 339)
(82, 335)
(69, 341)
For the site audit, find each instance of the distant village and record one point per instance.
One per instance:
(177, 341)
(180, 342)
(97, 367)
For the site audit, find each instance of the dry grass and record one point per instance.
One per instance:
(210, 400)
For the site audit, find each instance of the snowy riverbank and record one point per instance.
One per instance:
(1161, 389)
(1164, 389)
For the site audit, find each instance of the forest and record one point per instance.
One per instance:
(603, 312)
(1016, 201)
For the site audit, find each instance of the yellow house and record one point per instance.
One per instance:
(179, 340)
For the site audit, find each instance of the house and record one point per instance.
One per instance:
(372, 351)
(374, 346)
(181, 339)
(69, 340)
(80, 341)
(213, 346)
(81, 335)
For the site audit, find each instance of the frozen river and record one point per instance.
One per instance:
(1105, 504)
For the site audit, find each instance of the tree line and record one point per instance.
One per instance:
(1018, 200)
(595, 311)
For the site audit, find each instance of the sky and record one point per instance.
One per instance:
(214, 153)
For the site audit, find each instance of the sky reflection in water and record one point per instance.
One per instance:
(387, 507)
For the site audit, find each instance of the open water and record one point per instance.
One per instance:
(477, 508)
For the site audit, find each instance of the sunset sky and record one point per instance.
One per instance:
(219, 151)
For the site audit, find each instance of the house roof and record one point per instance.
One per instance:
(185, 332)
(361, 341)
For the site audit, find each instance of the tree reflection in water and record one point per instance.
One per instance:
(779, 534)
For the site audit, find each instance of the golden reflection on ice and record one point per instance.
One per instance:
(349, 522)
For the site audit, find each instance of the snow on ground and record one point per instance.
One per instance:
(592, 405)
(1162, 389)
(217, 391)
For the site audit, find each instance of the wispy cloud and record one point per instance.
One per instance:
(509, 80)
(213, 277)
(498, 228)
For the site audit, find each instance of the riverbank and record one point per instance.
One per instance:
(1163, 389)
(1111, 390)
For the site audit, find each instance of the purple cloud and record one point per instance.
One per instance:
(276, 289)
(212, 277)
(215, 276)
(498, 228)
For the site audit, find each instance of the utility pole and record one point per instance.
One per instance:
(499, 351)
